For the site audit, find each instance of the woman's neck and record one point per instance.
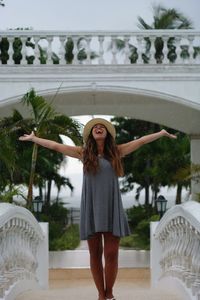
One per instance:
(100, 147)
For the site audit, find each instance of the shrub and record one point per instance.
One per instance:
(68, 241)
(61, 236)
(140, 239)
(136, 214)
(143, 228)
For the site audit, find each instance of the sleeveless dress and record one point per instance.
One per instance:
(101, 204)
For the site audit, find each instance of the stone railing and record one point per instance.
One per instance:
(175, 250)
(99, 47)
(23, 252)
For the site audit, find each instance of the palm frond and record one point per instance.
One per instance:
(143, 25)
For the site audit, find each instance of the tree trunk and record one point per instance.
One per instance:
(48, 198)
(178, 193)
(41, 191)
(146, 195)
(32, 175)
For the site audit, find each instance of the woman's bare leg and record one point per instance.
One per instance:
(111, 250)
(96, 265)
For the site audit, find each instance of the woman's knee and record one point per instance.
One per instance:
(95, 247)
(111, 248)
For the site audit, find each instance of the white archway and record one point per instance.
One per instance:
(148, 105)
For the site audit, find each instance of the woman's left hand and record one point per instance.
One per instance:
(167, 134)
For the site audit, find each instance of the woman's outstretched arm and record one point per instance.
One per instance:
(129, 147)
(72, 151)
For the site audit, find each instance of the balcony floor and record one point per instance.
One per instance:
(73, 284)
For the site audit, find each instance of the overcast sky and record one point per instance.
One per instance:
(87, 14)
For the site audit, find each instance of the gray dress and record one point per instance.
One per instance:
(101, 204)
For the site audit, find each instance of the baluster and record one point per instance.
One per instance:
(23, 51)
(10, 60)
(36, 51)
(178, 50)
(101, 50)
(114, 50)
(49, 50)
(75, 50)
(152, 50)
(88, 50)
(191, 49)
(62, 60)
(139, 50)
(127, 50)
(165, 50)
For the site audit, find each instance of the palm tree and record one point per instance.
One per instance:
(46, 122)
(163, 18)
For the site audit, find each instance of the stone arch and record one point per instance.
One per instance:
(153, 106)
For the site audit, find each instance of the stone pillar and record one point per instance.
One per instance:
(195, 159)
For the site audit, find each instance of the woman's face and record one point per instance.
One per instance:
(99, 132)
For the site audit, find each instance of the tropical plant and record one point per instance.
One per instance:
(47, 122)
(163, 18)
(15, 156)
(155, 164)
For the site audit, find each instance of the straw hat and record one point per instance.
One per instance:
(88, 127)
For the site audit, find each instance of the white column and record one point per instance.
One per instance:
(43, 257)
(195, 159)
(155, 255)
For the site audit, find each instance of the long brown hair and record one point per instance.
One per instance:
(111, 153)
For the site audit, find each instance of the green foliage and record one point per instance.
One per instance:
(154, 165)
(163, 18)
(140, 223)
(16, 156)
(55, 230)
(134, 242)
(136, 214)
(8, 194)
(143, 228)
(43, 55)
(58, 213)
(61, 236)
(4, 46)
(198, 197)
(69, 240)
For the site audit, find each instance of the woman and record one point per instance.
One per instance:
(103, 221)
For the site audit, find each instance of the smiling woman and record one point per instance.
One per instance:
(102, 214)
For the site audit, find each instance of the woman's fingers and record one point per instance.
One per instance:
(27, 137)
(170, 135)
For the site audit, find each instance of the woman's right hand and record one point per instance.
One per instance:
(27, 137)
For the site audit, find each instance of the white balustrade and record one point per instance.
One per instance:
(176, 249)
(21, 247)
(152, 47)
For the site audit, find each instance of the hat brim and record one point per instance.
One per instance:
(88, 127)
